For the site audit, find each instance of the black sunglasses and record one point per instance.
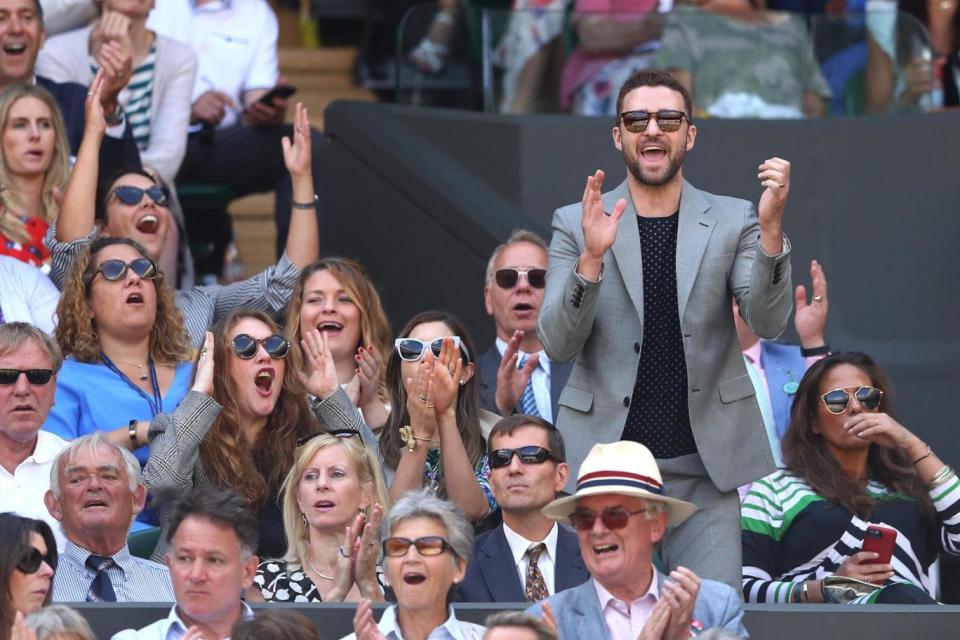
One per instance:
(837, 400)
(134, 195)
(667, 119)
(583, 519)
(508, 278)
(246, 347)
(426, 546)
(145, 268)
(34, 376)
(530, 454)
(30, 562)
(411, 349)
(339, 433)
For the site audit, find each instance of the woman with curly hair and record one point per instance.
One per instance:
(239, 425)
(336, 297)
(127, 354)
(849, 465)
(35, 161)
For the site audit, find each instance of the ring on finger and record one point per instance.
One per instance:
(343, 553)
(422, 398)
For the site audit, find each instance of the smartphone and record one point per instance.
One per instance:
(880, 540)
(280, 91)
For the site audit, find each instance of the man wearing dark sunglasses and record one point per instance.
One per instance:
(529, 556)
(639, 294)
(619, 512)
(516, 375)
(29, 362)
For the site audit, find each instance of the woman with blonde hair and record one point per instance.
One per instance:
(337, 297)
(333, 500)
(36, 160)
(127, 353)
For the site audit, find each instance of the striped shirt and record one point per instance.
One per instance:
(791, 534)
(201, 307)
(137, 97)
(133, 579)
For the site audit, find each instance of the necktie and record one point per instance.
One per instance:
(101, 589)
(528, 401)
(535, 589)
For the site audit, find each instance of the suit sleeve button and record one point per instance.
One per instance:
(626, 401)
(636, 347)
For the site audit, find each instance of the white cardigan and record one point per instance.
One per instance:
(26, 295)
(66, 58)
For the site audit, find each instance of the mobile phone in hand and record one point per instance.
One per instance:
(280, 91)
(880, 540)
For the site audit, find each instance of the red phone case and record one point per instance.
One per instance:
(880, 540)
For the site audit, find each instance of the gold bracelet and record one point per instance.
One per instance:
(926, 455)
(409, 438)
(132, 432)
(941, 477)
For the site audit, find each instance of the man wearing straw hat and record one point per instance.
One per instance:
(620, 513)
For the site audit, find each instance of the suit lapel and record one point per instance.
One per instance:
(588, 618)
(495, 561)
(626, 246)
(693, 234)
(569, 562)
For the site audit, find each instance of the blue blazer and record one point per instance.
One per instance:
(489, 363)
(579, 616)
(492, 576)
(782, 365)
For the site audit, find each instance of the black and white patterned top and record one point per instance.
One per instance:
(278, 584)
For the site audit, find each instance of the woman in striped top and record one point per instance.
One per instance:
(849, 464)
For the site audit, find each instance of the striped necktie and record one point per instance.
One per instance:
(528, 401)
(101, 589)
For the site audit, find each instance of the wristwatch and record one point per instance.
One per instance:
(115, 118)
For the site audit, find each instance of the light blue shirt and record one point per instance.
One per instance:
(170, 628)
(91, 397)
(133, 579)
(452, 629)
(540, 378)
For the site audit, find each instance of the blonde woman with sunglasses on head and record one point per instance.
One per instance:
(850, 468)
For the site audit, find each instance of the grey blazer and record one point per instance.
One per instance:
(579, 616)
(601, 326)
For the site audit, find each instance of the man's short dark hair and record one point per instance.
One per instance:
(275, 625)
(224, 507)
(523, 620)
(506, 427)
(654, 78)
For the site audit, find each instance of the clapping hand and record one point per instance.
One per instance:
(810, 318)
(420, 400)
(446, 377)
(599, 227)
(363, 624)
(321, 377)
(512, 381)
(94, 123)
(368, 552)
(344, 576)
(298, 153)
(680, 592)
(203, 378)
(369, 366)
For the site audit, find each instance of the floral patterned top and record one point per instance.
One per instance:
(33, 252)
(432, 473)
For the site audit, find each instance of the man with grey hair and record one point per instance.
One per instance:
(620, 513)
(95, 493)
(516, 376)
(29, 362)
(211, 539)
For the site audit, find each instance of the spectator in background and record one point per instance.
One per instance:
(516, 374)
(128, 354)
(431, 53)
(275, 625)
(24, 27)
(60, 16)
(59, 622)
(849, 463)
(235, 135)
(337, 297)
(29, 362)
(740, 62)
(515, 625)
(28, 560)
(776, 368)
(212, 537)
(139, 213)
(96, 491)
(156, 99)
(615, 39)
(35, 162)
(27, 295)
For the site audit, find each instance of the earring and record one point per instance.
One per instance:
(303, 517)
(463, 382)
(363, 512)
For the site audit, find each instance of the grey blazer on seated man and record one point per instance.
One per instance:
(579, 616)
(600, 324)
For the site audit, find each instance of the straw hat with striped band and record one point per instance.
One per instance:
(624, 468)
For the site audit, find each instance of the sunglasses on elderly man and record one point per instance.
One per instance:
(30, 563)
(508, 278)
(837, 400)
(133, 196)
(667, 119)
(34, 376)
(426, 546)
(412, 349)
(583, 519)
(145, 268)
(531, 454)
(246, 347)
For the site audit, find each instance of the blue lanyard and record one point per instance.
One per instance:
(156, 403)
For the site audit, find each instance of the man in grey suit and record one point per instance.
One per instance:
(516, 376)
(620, 513)
(638, 292)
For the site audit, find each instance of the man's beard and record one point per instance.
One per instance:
(675, 164)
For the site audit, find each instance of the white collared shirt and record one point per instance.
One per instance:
(541, 380)
(625, 620)
(451, 629)
(547, 562)
(169, 628)
(22, 491)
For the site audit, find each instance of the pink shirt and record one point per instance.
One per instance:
(625, 620)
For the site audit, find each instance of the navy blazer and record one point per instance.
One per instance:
(492, 575)
(115, 153)
(489, 363)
